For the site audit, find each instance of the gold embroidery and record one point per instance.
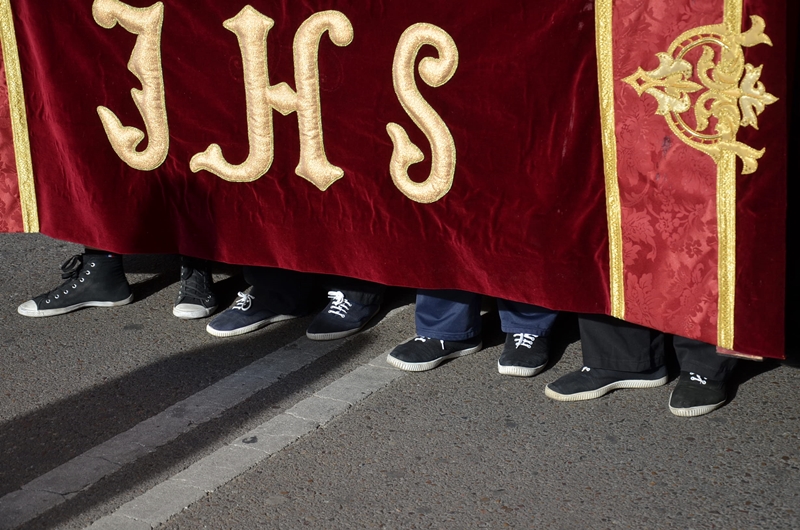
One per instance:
(605, 69)
(145, 64)
(729, 92)
(435, 72)
(252, 28)
(733, 94)
(314, 165)
(19, 120)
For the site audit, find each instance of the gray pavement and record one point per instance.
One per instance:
(130, 418)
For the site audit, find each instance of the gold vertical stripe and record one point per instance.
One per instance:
(605, 74)
(726, 213)
(19, 120)
(733, 16)
(726, 230)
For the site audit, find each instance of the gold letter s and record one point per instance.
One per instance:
(145, 63)
(435, 72)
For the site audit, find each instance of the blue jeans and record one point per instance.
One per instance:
(456, 315)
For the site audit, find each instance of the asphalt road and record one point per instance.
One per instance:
(457, 447)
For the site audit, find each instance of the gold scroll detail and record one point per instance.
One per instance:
(145, 64)
(19, 120)
(729, 90)
(435, 72)
(605, 70)
(251, 28)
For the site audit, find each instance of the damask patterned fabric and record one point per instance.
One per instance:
(10, 216)
(528, 215)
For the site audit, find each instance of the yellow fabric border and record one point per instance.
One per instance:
(726, 244)
(726, 215)
(605, 74)
(19, 119)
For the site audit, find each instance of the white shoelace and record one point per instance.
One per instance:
(244, 301)
(420, 338)
(339, 305)
(524, 339)
(699, 378)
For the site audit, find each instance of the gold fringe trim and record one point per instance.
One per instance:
(19, 119)
(605, 74)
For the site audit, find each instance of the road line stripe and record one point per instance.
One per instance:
(157, 505)
(62, 483)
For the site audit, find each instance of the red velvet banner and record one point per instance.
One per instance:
(310, 104)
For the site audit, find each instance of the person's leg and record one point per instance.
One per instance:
(276, 295)
(526, 349)
(448, 325)
(196, 297)
(448, 314)
(701, 386)
(282, 291)
(353, 303)
(95, 278)
(616, 354)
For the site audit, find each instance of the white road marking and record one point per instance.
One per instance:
(64, 482)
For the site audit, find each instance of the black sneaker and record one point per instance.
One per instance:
(243, 317)
(423, 353)
(695, 395)
(524, 355)
(195, 296)
(340, 318)
(591, 383)
(92, 280)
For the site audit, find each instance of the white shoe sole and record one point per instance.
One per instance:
(602, 391)
(691, 412)
(430, 365)
(247, 329)
(341, 334)
(333, 336)
(29, 309)
(192, 311)
(520, 371)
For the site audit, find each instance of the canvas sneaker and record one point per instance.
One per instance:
(524, 355)
(424, 353)
(92, 280)
(695, 395)
(245, 316)
(591, 383)
(340, 318)
(195, 296)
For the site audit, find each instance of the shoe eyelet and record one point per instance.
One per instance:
(66, 291)
(92, 264)
(81, 280)
(74, 285)
(47, 301)
(88, 273)
(56, 297)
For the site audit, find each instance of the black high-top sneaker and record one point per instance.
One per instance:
(195, 297)
(92, 280)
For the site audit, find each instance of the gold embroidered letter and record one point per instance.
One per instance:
(251, 28)
(435, 72)
(145, 63)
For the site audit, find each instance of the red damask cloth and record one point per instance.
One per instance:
(526, 218)
(10, 212)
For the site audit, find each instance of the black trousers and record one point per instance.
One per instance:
(289, 292)
(612, 344)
